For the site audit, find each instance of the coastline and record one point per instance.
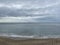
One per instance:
(49, 41)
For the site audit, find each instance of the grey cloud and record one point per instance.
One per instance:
(18, 8)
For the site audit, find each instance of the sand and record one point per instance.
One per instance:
(7, 41)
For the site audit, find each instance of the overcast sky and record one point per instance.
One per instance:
(29, 10)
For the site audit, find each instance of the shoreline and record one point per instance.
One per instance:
(50, 41)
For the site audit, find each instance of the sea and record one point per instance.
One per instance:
(30, 30)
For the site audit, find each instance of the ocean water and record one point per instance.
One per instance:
(30, 30)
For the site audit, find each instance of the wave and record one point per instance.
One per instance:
(14, 36)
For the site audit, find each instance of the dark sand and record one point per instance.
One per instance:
(7, 41)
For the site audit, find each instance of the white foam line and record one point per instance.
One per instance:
(33, 36)
(15, 36)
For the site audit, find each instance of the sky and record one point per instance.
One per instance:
(29, 10)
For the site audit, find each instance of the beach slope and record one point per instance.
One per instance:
(7, 41)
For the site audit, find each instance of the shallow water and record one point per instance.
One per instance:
(37, 29)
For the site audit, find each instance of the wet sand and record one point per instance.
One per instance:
(7, 41)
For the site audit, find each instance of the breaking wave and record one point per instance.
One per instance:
(22, 37)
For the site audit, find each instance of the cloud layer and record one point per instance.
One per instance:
(29, 10)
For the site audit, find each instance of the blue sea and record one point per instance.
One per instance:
(30, 30)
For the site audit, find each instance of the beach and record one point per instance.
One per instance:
(50, 41)
(29, 34)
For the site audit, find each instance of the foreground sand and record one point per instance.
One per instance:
(6, 41)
